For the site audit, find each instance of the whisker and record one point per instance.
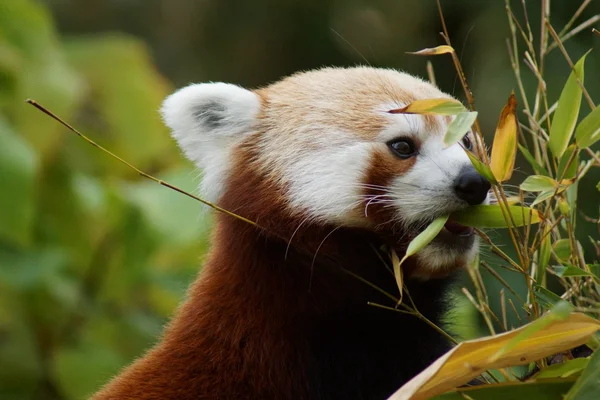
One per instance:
(312, 265)
(292, 237)
(371, 200)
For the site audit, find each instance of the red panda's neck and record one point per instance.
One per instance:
(261, 304)
(264, 321)
(277, 318)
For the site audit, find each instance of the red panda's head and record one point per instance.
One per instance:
(326, 143)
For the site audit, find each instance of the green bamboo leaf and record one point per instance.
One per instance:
(543, 196)
(480, 167)
(588, 131)
(459, 127)
(539, 169)
(562, 249)
(567, 168)
(570, 271)
(587, 387)
(563, 370)
(537, 390)
(538, 183)
(483, 216)
(545, 297)
(425, 237)
(544, 254)
(567, 111)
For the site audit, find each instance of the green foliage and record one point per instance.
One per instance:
(567, 111)
(587, 386)
(92, 258)
(543, 390)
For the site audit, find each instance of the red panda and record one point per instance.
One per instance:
(281, 310)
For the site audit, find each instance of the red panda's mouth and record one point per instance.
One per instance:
(458, 229)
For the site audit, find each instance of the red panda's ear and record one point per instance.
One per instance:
(207, 119)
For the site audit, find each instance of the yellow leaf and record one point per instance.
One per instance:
(504, 149)
(442, 106)
(398, 274)
(433, 51)
(469, 359)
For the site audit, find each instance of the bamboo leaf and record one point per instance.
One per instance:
(480, 167)
(415, 245)
(567, 167)
(425, 237)
(563, 370)
(545, 297)
(542, 197)
(570, 271)
(459, 127)
(562, 249)
(442, 106)
(536, 390)
(538, 183)
(544, 254)
(588, 131)
(469, 359)
(587, 386)
(504, 149)
(434, 51)
(559, 312)
(396, 264)
(539, 169)
(567, 111)
(484, 216)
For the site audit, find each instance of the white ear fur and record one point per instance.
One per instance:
(206, 119)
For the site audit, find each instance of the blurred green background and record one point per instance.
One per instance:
(93, 259)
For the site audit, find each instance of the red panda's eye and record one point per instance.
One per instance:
(467, 143)
(403, 148)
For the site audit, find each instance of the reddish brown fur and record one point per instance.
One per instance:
(226, 346)
(252, 323)
(384, 166)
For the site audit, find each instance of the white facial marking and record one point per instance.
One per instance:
(426, 190)
(206, 120)
(319, 163)
(322, 171)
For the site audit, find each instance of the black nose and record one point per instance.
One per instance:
(471, 187)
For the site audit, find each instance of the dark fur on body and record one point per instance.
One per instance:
(267, 319)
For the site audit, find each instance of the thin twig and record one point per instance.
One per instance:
(575, 31)
(139, 171)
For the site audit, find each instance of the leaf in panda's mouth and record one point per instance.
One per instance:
(492, 216)
(425, 237)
